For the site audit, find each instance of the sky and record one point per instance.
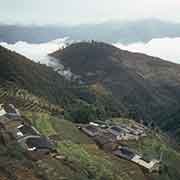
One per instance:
(85, 11)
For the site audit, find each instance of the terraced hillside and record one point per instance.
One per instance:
(26, 101)
(35, 78)
(45, 88)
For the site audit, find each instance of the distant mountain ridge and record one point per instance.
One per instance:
(112, 32)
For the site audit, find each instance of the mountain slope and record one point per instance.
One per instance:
(38, 79)
(147, 87)
(86, 161)
(23, 78)
(41, 93)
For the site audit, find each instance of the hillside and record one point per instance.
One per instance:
(147, 87)
(52, 104)
(37, 79)
(84, 160)
(84, 154)
(22, 80)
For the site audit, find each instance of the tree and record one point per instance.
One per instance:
(82, 114)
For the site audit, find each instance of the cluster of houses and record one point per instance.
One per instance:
(129, 154)
(124, 132)
(119, 132)
(111, 138)
(13, 127)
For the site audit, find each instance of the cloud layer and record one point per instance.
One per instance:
(36, 52)
(165, 48)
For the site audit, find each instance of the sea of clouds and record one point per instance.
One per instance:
(37, 52)
(165, 48)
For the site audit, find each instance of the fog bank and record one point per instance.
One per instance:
(37, 52)
(165, 48)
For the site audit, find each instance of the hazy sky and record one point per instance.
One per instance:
(86, 11)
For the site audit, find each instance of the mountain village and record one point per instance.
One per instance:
(14, 127)
(108, 136)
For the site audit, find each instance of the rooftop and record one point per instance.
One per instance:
(28, 130)
(91, 128)
(115, 128)
(39, 143)
(8, 109)
(124, 153)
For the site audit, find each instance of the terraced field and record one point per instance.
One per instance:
(26, 101)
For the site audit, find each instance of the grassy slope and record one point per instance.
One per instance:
(84, 159)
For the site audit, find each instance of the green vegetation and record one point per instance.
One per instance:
(115, 90)
(35, 87)
(42, 122)
(57, 127)
(84, 160)
(94, 167)
(83, 113)
(140, 86)
(155, 146)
